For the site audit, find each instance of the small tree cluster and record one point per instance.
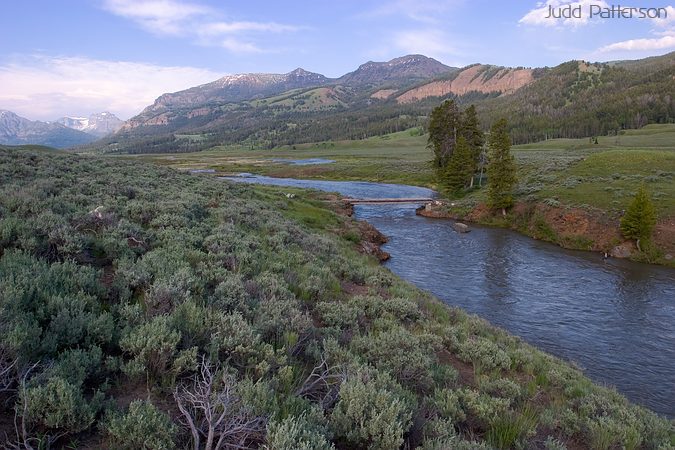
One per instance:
(457, 141)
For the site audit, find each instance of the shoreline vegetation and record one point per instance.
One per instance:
(571, 192)
(133, 295)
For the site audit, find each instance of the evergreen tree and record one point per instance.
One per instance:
(473, 134)
(444, 125)
(459, 171)
(501, 169)
(640, 218)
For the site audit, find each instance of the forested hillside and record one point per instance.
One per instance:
(578, 99)
(145, 308)
(574, 99)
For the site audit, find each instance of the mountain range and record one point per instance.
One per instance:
(573, 99)
(100, 124)
(62, 133)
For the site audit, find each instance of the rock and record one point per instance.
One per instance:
(461, 227)
(668, 257)
(624, 250)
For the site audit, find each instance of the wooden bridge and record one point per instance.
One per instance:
(362, 201)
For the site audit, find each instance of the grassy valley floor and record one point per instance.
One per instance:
(132, 295)
(570, 191)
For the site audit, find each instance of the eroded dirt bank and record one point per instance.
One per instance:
(568, 227)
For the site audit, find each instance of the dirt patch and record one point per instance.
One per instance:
(599, 229)
(353, 289)
(664, 235)
(464, 370)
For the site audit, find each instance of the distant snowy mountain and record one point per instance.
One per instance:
(16, 130)
(99, 125)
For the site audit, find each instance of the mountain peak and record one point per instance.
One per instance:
(99, 124)
(407, 69)
(298, 71)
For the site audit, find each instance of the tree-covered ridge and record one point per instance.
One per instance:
(572, 100)
(577, 99)
(145, 308)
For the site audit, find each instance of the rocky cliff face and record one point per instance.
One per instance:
(478, 78)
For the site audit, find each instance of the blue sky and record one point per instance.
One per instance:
(76, 57)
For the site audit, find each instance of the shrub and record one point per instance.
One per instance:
(484, 354)
(406, 356)
(447, 404)
(502, 388)
(143, 426)
(152, 345)
(369, 415)
(296, 433)
(482, 407)
(58, 405)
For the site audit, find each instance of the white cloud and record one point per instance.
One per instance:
(157, 16)
(217, 28)
(662, 38)
(429, 42)
(539, 15)
(195, 21)
(667, 20)
(661, 43)
(46, 88)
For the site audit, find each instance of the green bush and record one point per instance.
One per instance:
(484, 354)
(152, 346)
(143, 426)
(296, 433)
(370, 415)
(406, 356)
(58, 405)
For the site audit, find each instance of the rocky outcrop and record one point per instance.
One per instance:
(371, 240)
(623, 250)
(460, 227)
(478, 78)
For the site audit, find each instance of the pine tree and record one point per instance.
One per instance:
(640, 218)
(474, 136)
(460, 168)
(444, 125)
(501, 168)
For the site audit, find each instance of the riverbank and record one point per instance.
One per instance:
(568, 227)
(562, 183)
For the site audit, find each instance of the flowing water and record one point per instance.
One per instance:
(614, 318)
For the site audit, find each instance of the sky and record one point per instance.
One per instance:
(78, 57)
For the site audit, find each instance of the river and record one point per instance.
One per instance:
(613, 318)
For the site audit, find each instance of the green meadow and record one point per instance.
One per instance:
(576, 172)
